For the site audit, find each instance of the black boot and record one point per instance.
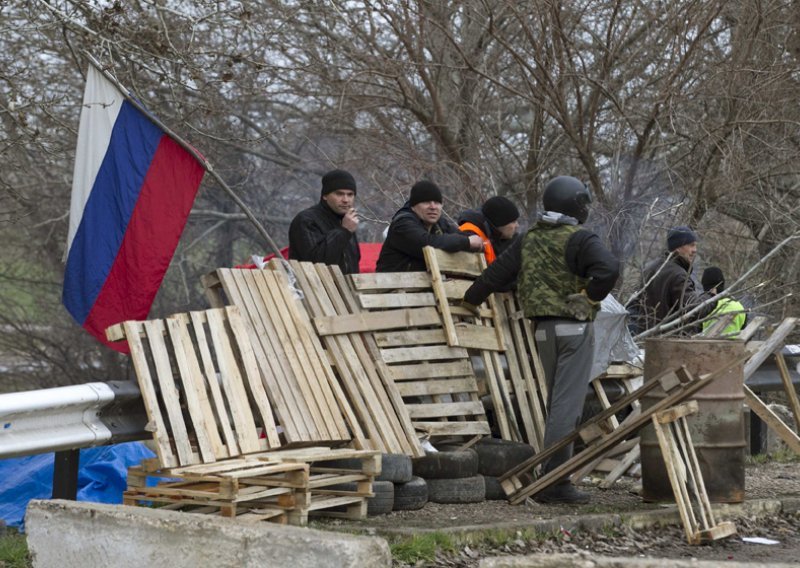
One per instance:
(562, 493)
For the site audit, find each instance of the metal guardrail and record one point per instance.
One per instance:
(68, 418)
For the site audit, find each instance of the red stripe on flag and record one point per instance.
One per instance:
(155, 227)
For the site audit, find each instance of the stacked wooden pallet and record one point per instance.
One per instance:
(283, 486)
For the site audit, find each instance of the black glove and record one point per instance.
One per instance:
(471, 307)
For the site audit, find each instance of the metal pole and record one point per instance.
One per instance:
(65, 474)
(189, 148)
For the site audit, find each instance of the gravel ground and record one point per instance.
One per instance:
(771, 480)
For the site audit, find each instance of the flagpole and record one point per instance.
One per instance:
(188, 147)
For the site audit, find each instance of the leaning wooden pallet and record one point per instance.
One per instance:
(521, 482)
(309, 403)
(436, 381)
(459, 270)
(201, 387)
(375, 400)
(685, 476)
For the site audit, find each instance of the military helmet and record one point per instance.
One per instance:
(569, 196)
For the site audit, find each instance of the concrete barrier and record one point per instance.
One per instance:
(68, 534)
(593, 561)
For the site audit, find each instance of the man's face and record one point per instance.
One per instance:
(428, 211)
(508, 231)
(340, 201)
(687, 252)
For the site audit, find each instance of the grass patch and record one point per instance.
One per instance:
(779, 456)
(422, 547)
(14, 551)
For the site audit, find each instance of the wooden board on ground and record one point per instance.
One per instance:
(201, 386)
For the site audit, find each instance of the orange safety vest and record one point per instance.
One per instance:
(488, 249)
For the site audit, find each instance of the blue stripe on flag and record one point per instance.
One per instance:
(134, 140)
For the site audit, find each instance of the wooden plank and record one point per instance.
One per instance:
(460, 263)
(791, 393)
(391, 281)
(426, 370)
(397, 300)
(471, 336)
(210, 376)
(169, 391)
(376, 321)
(231, 379)
(275, 368)
(202, 418)
(431, 388)
(775, 342)
(431, 260)
(423, 353)
(410, 338)
(454, 289)
(751, 328)
(446, 409)
(454, 428)
(622, 466)
(772, 420)
(156, 425)
(252, 377)
(676, 412)
(671, 459)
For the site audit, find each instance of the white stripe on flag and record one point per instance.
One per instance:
(101, 105)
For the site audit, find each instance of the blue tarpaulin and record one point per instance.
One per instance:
(101, 478)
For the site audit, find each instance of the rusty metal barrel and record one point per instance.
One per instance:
(717, 430)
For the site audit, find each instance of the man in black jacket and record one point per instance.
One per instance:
(418, 224)
(326, 232)
(563, 272)
(669, 289)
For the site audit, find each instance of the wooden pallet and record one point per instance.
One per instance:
(678, 385)
(309, 403)
(283, 486)
(505, 330)
(685, 476)
(201, 387)
(382, 418)
(436, 381)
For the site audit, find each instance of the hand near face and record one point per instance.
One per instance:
(350, 220)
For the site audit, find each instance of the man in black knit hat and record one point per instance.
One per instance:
(669, 289)
(496, 223)
(418, 224)
(326, 232)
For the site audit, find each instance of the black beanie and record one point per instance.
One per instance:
(713, 278)
(425, 191)
(337, 179)
(679, 236)
(500, 211)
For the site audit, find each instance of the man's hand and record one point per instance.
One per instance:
(475, 243)
(350, 220)
(580, 306)
(471, 307)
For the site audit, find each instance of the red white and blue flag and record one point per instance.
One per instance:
(132, 191)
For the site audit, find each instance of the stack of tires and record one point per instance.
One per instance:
(452, 476)
(495, 458)
(395, 489)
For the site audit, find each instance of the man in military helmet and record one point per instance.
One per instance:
(563, 271)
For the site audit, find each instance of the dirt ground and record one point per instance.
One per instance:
(772, 480)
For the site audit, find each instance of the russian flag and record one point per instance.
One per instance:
(132, 191)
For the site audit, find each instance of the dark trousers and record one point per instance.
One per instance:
(566, 349)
